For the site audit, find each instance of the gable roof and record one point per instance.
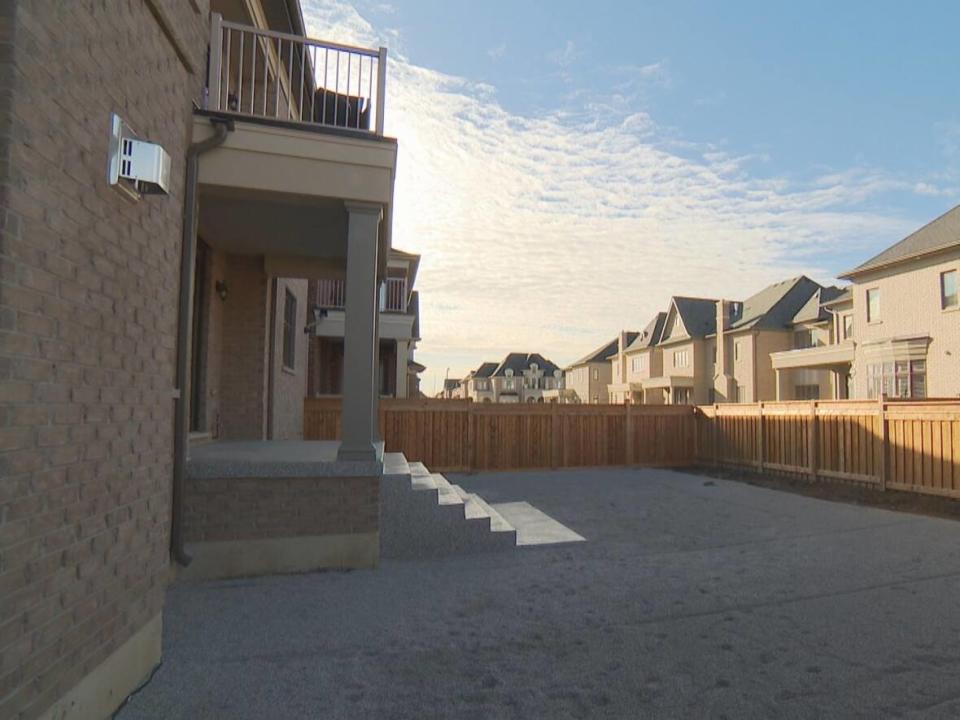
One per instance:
(815, 309)
(485, 370)
(650, 335)
(518, 362)
(451, 383)
(699, 315)
(938, 234)
(605, 351)
(774, 307)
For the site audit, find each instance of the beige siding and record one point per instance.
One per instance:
(910, 306)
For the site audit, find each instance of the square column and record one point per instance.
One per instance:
(360, 391)
(400, 385)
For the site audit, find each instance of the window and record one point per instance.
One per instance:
(714, 357)
(948, 289)
(509, 384)
(596, 374)
(873, 305)
(848, 326)
(803, 339)
(806, 392)
(289, 330)
(681, 358)
(902, 378)
(681, 396)
(639, 363)
(736, 350)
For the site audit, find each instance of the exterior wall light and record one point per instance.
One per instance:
(221, 288)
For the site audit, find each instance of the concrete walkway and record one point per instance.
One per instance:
(692, 598)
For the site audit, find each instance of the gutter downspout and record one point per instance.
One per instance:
(188, 255)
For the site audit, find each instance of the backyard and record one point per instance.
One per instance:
(693, 597)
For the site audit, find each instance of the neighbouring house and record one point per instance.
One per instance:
(686, 375)
(636, 362)
(587, 379)
(895, 330)
(477, 385)
(784, 315)
(398, 373)
(152, 348)
(518, 378)
(452, 389)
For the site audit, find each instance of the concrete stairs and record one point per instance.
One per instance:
(423, 515)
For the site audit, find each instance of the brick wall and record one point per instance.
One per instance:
(88, 307)
(260, 508)
(243, 374)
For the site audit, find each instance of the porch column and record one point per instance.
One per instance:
(360, 390)
(400, 385)
(777, 373)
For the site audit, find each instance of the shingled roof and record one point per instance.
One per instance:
(699, 315)
(775, 307)
(485, 370)
(605, 351)
(650, 335)
(518, 362)
(938, 234)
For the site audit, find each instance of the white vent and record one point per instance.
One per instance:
(136, 167)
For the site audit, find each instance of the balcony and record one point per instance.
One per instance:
(331, 295)
(821, 356)
(285, 78)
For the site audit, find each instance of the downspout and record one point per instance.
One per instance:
(188, 254)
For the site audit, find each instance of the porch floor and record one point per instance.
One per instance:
(275, 458)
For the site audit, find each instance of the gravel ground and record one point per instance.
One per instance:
(693, 598)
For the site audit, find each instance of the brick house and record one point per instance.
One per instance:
(152, 348)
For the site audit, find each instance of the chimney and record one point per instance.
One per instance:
(723, 371)
(622, 346)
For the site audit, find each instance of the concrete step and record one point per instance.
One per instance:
(395, 464)
(498, 523)
(447, 494)
(418, 468)
(423, 482)
(472, 510)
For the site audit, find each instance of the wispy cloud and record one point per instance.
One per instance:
(496, 53)
(550, 233)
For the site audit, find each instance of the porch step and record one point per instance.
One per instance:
(423, 514)
(395, 464)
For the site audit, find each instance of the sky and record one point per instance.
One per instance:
(564, 168)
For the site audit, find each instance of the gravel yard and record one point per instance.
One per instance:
(693, 597)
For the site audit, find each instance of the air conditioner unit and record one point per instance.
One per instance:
(136, 167)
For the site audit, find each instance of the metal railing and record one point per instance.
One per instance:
(332, 295)
(394, 295)
(278, 76)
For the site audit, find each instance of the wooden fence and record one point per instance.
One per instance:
(454, 435)
(896, 444)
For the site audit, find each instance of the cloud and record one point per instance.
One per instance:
(496, 53)
(549, 233)
(565, 56)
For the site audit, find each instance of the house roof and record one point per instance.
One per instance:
(815, 309)
(485, 370)
(650, 335)
(605, 351)
(775, 307)
(938, 234)
(451, 383)
(518, 362)
(699, 315)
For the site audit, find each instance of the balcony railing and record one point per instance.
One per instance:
(278, 76)
(331, 295)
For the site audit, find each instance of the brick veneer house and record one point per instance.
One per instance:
(131, 323)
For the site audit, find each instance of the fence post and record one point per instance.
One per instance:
(813, 441)
(716, 435)
(884, 442)
(628, 429)
(555, 430)
(760, 437)
(471, 449)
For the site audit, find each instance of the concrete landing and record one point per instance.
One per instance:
(535, 527)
